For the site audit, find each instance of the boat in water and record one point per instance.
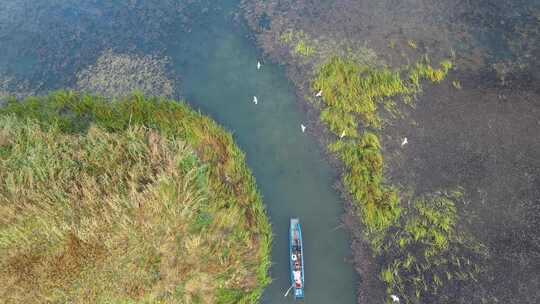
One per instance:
(296, 254)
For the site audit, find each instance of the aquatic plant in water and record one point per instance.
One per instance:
(378, 204)
(299, 43)
(426, 254)
(421, 249)
(11, 87)
(358, 89)
(302, 48)
(118, 75)
(351, 96)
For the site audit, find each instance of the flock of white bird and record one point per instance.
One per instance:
(256, 100)
(395, 299)
(342, 135)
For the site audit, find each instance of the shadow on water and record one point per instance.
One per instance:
(218, 64)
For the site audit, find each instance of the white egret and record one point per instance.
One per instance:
(404, 142)
(255, 101)
(303, 128)
(258, 65)
(394, 298)
(319, 94)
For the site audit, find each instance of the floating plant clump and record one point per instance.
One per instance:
(118, 75)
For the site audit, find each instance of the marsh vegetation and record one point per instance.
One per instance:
(370, 62)
(452, 216)
(422, 252)
(135, 200)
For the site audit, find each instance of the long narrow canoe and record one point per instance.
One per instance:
(296, 254)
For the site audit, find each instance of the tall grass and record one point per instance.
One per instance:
(363, 177)
(352, 96)
(351, 90)
(126, 201)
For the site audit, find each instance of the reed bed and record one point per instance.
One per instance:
(130, 201)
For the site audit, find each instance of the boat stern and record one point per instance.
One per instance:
(298, 293)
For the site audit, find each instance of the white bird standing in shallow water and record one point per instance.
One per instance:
(255, 101)
(342, 134)
(394, 298)
(404, 142)
(258, 65)
(303, 128)
(319, 94)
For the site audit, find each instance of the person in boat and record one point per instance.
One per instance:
(297, 278)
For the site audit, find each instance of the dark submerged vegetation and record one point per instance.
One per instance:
(47, 43)
(118, 75)
(136, 200)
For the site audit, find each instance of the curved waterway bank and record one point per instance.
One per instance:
(218, 65)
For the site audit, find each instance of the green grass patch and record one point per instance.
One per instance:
(298, 42)
(363, 177)
(427, 255)
(424, 71)
(357, 90)
(130, 201)
(302, 48)
(352, 96)
(420, 248)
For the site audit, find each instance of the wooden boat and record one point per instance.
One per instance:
(296, 257)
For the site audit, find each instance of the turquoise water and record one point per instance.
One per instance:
(219, 76)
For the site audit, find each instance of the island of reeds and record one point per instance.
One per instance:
(127, 201)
